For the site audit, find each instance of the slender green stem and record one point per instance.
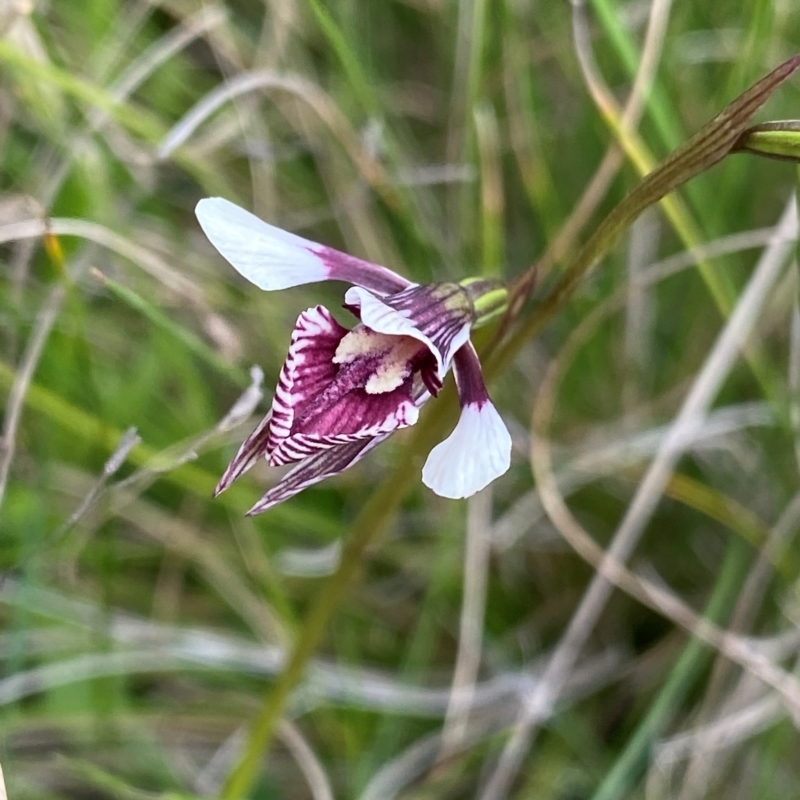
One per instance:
(712, 143)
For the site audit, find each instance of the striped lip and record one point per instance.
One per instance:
(339, 386)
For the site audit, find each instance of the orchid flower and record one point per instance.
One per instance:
(343, 391)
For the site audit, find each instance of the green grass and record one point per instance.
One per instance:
(144, 622)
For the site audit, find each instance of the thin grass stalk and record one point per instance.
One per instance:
(473, 610)
(630, 529)
(711, 144)
(719, 284)
(564, 243)
(631, 765)
(23, 378)
(470, 43)
(89, 428)
(307, 760)
(492, 206)
(657, 102)
(396, 197)
(746, 607)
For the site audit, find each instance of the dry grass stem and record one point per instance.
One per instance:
(704, 390)
(470, 635)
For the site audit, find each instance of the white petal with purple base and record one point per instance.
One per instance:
(479, 449)
(475, 453)
(272, 258)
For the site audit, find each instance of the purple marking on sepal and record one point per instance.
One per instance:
(442, 312)
(253, 448)
(314, 469)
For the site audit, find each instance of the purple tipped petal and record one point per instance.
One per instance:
(479, 449)
(254, 447)
(314, 469)
(272, 258)
(320, 403)
(439, 316)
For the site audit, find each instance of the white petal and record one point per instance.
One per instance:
(272, 258)
(475, 453)
(267, 256)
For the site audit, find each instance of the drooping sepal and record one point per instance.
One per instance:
(253, 448)
(479, 448)
(316, 468)
(273, 259)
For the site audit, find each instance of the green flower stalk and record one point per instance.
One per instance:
(779, 140)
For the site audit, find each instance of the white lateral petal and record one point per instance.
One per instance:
(267, 256)
(476, 452)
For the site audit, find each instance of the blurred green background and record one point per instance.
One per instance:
(143, 621)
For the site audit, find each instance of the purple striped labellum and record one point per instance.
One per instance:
(342, 390)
